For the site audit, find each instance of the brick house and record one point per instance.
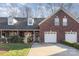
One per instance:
(60, 26)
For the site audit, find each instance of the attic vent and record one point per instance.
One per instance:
(30, 21)
(11, 21)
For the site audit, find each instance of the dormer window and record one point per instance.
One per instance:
(11, 21)
(64, 21)
(14, 21)
(56, 21)
(30, 21)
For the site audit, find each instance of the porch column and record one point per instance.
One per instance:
(1, 33)
(33, 36)
(17, 32)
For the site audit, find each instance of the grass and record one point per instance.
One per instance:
(15, 49)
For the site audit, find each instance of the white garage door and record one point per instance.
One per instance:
(50, 37)
(71, 37)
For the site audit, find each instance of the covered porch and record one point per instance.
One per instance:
(33, 33)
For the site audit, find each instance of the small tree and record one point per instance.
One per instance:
(27, 38)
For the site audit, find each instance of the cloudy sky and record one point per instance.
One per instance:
(19, 7)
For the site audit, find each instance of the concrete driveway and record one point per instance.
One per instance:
(52, 50)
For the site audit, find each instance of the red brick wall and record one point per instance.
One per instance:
(49, 24)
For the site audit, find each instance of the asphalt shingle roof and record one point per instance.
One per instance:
(21, 24)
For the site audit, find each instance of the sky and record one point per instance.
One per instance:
(19, 7)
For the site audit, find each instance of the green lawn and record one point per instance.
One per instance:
(15, 49)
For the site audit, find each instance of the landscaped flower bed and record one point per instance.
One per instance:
(75, 45)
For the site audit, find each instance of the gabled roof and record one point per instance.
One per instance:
(63, 9)
(21, 24)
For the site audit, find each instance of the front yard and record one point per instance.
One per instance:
(14, 49)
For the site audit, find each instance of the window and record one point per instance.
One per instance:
(14, 21)
(11, 21)
(56, 21)
(64, 21)
(30, 21)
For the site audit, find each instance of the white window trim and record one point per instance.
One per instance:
(65, 21)
(12, 21)
(56, 21)
(30, 19)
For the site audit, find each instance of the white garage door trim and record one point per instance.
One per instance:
(50, 37)
(71, 37)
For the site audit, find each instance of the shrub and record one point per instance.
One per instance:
(75, 45)
(2, 40)
(15, 39)
(68, 43)
(29, 39)
(37, 39)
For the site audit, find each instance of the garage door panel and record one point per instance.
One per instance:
(71, 37)
(50, 37)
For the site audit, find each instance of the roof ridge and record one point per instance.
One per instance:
(65, 10)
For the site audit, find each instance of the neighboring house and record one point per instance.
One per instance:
(60, 26)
